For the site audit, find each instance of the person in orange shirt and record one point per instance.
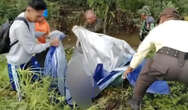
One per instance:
(43, 28)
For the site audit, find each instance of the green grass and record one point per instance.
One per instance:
(38, 97)
(115, 98)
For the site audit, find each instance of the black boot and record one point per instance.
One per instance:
(135, 104)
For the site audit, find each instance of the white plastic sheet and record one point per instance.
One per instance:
(91, 50)
(100, 48)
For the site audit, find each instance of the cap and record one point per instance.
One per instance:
(170, 13)
(45, 13)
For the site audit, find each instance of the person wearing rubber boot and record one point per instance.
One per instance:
(170, 61)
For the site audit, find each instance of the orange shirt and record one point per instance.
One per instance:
(42, 27)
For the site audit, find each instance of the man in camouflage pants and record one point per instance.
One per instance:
(148, 22)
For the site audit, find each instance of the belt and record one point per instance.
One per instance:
(181, 56)
(172, 52)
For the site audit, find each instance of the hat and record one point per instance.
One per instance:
(45, 13)
(170, 13)
(144, 10)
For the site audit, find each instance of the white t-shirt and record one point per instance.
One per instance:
(172, 33)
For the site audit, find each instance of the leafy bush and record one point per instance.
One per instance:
(9, 9)
(36, 95)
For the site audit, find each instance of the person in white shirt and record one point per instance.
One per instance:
(170, 61)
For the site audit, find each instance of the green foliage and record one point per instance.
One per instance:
(53, 13)
(132, 5)
(36, 95)
(9, 9)
(115, 98)
(75, 2)
(159, 6)
(69, 53)
(177, 100)
(3, 72)
(104, 9)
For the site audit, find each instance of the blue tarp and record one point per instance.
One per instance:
(103, 78)
(56, 65)
(158, 87)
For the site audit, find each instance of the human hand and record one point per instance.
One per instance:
(129, 69)
(54, 42)
(45, 34)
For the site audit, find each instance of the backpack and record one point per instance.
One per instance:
(4, 35)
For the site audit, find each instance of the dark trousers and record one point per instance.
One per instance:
(36, 64)
(160, 67)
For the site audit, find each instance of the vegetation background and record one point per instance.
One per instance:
(119, 16)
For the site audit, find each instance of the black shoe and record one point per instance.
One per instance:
(135, 104)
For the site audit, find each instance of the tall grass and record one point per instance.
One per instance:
(36, 95)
